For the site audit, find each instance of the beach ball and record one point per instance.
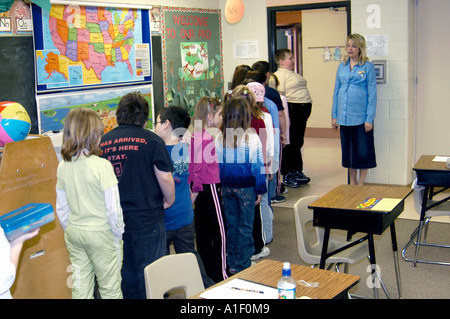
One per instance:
(15, 123)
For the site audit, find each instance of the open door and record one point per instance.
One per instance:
(316, 34)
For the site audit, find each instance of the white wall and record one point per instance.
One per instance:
(395, 109)
(433, 87)
(253, 26)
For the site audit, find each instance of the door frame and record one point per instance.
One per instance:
(271, 21)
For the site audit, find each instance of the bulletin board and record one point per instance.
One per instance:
(192, 55)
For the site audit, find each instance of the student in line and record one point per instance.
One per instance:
(239, 152)
(144, 170)
(271, 165)
(88, 208)
(171, 125)
(294, 87)
(206, 188)
(259, 124)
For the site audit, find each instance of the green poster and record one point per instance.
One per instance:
(192, 55)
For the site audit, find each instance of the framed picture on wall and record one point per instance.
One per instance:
(380, 70)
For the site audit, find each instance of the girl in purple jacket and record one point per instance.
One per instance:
(206, 188)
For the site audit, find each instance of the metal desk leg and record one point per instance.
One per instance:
(373, 265)
(397, 268)
(323, 257)
(422, 218)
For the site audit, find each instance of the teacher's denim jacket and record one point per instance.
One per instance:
(355, 94)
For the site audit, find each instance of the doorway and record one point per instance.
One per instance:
(316, 34)
(292, 31)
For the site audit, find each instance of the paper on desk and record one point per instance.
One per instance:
(444, 159)
(241, 289)
(382, 204)
(386, 204)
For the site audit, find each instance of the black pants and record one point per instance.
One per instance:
(211, 231)
(292, 157)
(258, 233)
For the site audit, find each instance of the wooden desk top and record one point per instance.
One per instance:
(268, 272)
(348, 197)
(425, 162)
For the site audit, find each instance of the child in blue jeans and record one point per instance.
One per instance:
(242, 174)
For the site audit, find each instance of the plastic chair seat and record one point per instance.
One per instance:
(311, 253)
(173, 271)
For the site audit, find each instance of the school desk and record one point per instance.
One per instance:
(361, 209)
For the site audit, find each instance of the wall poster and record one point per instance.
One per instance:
(82, 46)
(192, 55)
(89, 56)
(53, 108)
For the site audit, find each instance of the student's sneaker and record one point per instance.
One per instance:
(300, 178)
(278, 199)
(265, 251)
(290, 181)
(283, 190)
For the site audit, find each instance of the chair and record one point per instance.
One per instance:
(442, 209)
(310, 253)
(179, 271)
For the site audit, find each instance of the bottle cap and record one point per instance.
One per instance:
(286, 269)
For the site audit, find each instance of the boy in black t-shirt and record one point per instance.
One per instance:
(144, 170)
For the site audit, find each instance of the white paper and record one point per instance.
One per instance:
(377, 44)
(444, 159)
(241, 289)
(143, 55)
(248, 49)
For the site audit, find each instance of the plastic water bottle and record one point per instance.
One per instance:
(286, 285)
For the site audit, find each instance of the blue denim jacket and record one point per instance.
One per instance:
(355, 94)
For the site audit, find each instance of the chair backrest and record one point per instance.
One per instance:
(304, 215)
(173, 271)
(418, 196)
(439, 210)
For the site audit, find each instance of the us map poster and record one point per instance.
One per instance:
(78, 46)
(192, 55)
(88, 56)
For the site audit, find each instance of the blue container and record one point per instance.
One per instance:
(26, 219)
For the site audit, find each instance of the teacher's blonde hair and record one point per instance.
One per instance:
(360, 42)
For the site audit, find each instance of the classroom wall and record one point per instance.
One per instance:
(252, 26)
(394, 123)
(433, 94)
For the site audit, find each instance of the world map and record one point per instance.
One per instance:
(88, 46)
